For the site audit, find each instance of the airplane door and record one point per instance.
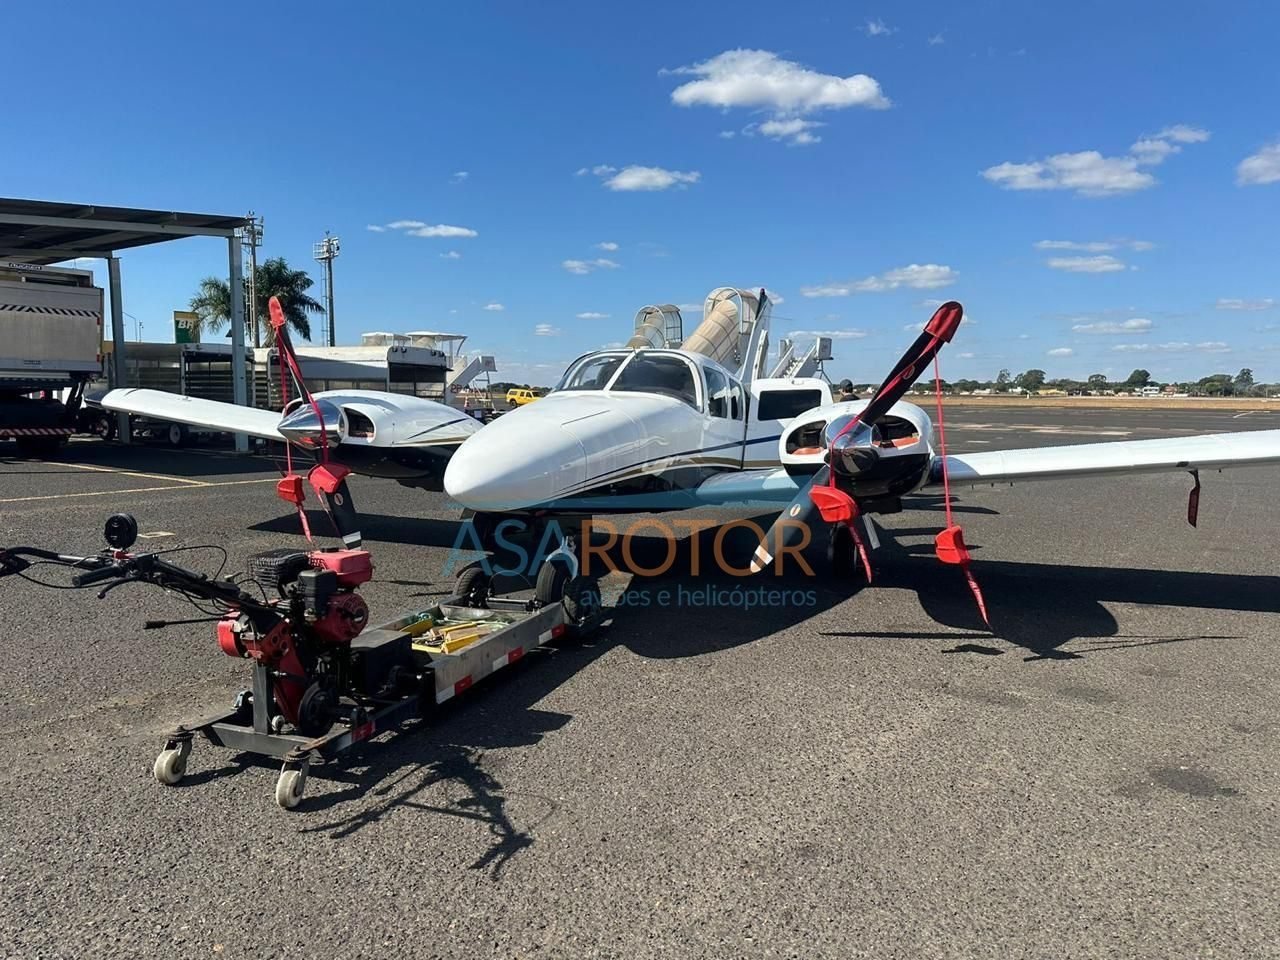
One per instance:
(724, 433)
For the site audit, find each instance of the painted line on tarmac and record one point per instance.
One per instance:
(199, 485)
(122, 473)
(1247, 413)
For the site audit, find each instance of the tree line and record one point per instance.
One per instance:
(1035, 380)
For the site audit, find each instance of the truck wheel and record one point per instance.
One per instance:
(177, 435)
(104, 426)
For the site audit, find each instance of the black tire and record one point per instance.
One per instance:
(104, 426)
(176, 434)
(472, 585)
(842, 555)
(583, 606)
(552, 578)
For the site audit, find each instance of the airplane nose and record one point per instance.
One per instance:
(303, 428)
(511, 465)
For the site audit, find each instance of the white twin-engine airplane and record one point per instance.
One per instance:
(649, 429)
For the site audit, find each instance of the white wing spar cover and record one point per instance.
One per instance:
(212, 414)
(1210, 452)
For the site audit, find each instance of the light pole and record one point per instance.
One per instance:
(251, 237)
(326, 251)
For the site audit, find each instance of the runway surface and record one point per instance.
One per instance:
(872, 774)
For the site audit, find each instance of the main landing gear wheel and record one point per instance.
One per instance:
(552, 577)
(171, 766)
(290, 786)
(472, 585)
(177, 435)
(842, 555)
(583, 606)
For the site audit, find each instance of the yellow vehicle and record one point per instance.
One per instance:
(518, 396)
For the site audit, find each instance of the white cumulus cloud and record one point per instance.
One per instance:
(459, 176)
(494, 307)
(451, 255)
(1103, 263)
(375, 228)
(877, 28)
(1112, 327)
(546, 330)
(1090, 174)
(607, 245)
(587, 266)
(794, 130)
(1261, 167)
(592, 315)
(634, 177)
(760, 79)
(419, 228)
(1060, 352)
(1234, 303)
(927, 276)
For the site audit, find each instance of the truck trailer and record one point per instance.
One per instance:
(50, 347)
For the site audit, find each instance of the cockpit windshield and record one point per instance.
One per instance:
(666, 375)
(592, 373)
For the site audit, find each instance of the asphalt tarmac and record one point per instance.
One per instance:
(868, 772)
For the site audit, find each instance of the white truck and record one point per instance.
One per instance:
(50, 347)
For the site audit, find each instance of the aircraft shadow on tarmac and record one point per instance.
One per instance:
(187, 464)
(1038, 607)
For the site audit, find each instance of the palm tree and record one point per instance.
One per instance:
(274, 278)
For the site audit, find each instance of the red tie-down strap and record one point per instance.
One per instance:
(949, 545)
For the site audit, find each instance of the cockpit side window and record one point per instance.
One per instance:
(592, 373)
(669, 376)
(718, 395)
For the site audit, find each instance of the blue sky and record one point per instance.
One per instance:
(860, 160)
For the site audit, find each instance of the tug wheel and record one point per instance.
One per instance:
(171, 765)
(289, 788)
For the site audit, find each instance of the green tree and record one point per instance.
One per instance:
(1030, 380)
(1139, 378)
(1244, 381)
(275, 278)
(1097, 381)
(1003, 380)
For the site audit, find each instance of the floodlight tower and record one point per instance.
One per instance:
(251, 237)
(326, 251)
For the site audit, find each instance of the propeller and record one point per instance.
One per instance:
(313, 428)
(848, 454)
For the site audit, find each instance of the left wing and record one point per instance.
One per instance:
(1213, 451)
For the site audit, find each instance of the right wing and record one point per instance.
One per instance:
(1213, 451)
(213, 414)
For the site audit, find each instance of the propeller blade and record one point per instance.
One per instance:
(794, 525)
(330, 483)
(939, 330)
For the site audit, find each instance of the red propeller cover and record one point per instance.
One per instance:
(945, 321)
(834, 504)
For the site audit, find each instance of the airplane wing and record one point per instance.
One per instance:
(766, 485)
(212, 414)
(1209, 452)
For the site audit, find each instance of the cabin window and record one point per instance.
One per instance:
(593, 373)
(719, 395)
(785, 404)
(736, 407)
(665, 375)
